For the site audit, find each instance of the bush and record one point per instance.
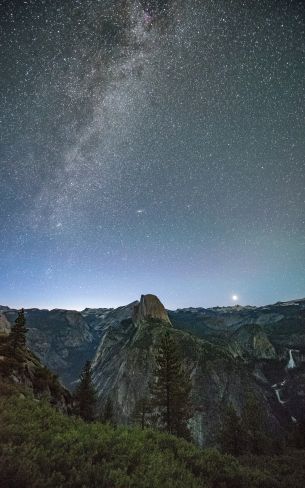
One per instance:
(44, 380)
(41, 447)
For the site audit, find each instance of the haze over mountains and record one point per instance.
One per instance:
(227, 350)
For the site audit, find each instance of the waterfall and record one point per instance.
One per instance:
(277, 392)
(291, 364)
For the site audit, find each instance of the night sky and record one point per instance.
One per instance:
(152, 147)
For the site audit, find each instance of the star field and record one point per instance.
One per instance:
(152, 147)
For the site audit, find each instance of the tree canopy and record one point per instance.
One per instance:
(170, 389)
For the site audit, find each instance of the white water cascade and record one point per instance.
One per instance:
(291, 363)
(277, 387)
(277, 392)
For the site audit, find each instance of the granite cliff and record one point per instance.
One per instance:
(149, 308)
(226, 349)
(26, 375)
(124, 361)
(62, 339)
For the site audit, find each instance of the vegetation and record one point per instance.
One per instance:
(232, 433)
(142, 412)
(247, 434)
(108, 413)
(171, 389)
(85, 395)
(24, 373)
(43, 378)
(254, 427)
(40, 446)
(18, 334)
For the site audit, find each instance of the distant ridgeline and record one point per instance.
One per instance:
(229, 353)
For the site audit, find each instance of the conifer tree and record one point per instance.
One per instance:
(85, 394)
(298, 435)
(253, 423)
(141, 412)
(18, 334)
(232, 434)
(171, 388)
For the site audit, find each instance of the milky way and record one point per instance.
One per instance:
(152, 147)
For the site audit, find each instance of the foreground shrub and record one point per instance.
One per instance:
(41, 447)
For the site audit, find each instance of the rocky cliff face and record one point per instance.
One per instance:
(5, 325)
(251, 342)
(65, 339)
(283, 322)
(226, 350)
(150, 308)
(125, 359)
(27, 375)
(62, 339)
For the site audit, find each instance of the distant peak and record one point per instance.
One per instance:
(150, 307)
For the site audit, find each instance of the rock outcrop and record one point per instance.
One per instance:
(65, 339)
(251, 342)
(24, 373)
(226, 349)
(282, 322)
(5, 325)
(123, 369)
(62, 339)
(150, 308)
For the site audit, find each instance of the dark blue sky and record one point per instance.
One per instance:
(152, 147)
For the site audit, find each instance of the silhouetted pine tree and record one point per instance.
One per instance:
(299, 435)
(171, 388)
(142, 412)
(17, 336)
(296, 436)
(85, 395)
(232, 435)
(254, 426)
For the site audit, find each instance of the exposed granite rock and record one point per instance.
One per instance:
(62, 340)
(123, 365)
(5, 326)
(149, 308)
(99, 319)
(250, 341)
(26, 371)
(245, 346)
(282, 322)
(65, 339)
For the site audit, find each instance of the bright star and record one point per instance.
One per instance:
(234, 298)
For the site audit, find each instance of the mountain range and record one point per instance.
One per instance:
(228, 351)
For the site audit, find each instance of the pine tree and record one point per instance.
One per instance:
(298, 435)
(18, 334)
(232, 433)
(171, 389)
(253, 423)
(85, 394)
(141, 412)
